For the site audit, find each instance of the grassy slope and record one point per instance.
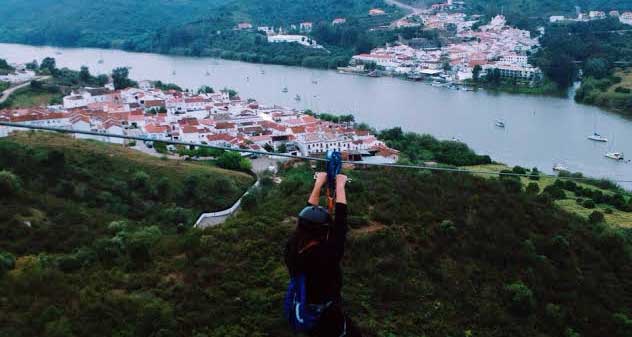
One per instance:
(175, 169)
(616, 218)
(27, 97)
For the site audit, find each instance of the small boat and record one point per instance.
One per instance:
(173, 72)
(100, 61)
(208, 73)
(284, 90)
(615, 155)
(500, 124)
(374, 73)
(598, 138)
(314, 82)
(297, 97)
(560, 168)
(263, 72)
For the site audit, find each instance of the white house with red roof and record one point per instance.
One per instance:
(157, 132)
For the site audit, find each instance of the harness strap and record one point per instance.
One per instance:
(308, 246)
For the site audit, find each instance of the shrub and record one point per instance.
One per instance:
(589, 203)
(555, 192)
(448, 228)
(519, 170)
(535, 174)
(533, 188)
(9, 184)
(230, 160)
(622, 90)
(596, 217)
(520, 298)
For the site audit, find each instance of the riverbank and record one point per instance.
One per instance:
(546, 88)
(612, 92)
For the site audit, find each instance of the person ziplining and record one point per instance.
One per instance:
(313, 303)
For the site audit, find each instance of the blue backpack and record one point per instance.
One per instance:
(302, 316)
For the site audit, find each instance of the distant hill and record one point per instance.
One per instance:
(89, 246)
(102, 23)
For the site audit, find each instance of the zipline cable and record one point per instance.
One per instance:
(307, 158)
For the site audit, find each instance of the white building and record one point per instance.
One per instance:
(300, 39)
(527, 73)
(596, 15)
(556, 18)
(388, 61)
(520, 60)
(626, 18)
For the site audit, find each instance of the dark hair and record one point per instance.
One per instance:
(298, 241)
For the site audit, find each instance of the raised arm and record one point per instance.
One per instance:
(314, 197)
(341, 195)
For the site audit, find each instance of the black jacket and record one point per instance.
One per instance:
(321, 263)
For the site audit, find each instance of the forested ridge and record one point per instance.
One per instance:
(429, 254)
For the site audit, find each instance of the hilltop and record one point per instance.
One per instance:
(430, 254)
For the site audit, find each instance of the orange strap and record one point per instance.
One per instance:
(308, 246)
(330, 202)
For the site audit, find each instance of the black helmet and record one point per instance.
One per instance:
(314, 218)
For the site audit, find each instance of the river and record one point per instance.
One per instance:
(540, 131)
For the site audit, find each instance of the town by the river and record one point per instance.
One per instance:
(539, 131)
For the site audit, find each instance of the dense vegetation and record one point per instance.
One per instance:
(416, 148)
(64, 192)
(429, 255)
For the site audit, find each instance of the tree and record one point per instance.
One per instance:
(476, 72)
(120, 77)
(245, 164)
(596, 67)
(49, 64)
(230, 160)
(205, 89)
(102, 80)
(282, 148)
(561, 70)
(33, 65)
(84, 75)
(520, 297)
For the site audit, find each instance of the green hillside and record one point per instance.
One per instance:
(70, 190)
(115, 23)
(429, 255)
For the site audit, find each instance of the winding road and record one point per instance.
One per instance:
(7, 93)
